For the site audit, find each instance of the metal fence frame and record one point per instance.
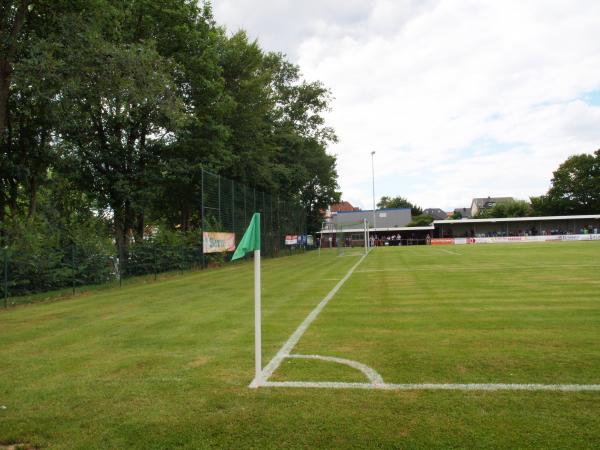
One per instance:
(225, 205)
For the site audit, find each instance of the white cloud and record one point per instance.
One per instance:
(458, 98)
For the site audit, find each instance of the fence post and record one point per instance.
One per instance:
(181, 257)
(154, 258)
(202, 212)
(263, 231)
(120, 267)
(233, 206)
(219, 197)
(73, 267)
(5, 277)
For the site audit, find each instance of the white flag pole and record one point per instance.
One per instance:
(257, 325)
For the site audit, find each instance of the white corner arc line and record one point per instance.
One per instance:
(285, 350)
(373, 377)
(435, 386)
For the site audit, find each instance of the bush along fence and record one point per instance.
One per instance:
(38, 262)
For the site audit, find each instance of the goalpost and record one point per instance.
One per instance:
(351, 238)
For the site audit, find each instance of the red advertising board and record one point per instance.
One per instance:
(444, 241)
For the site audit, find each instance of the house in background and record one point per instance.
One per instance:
(393, 219)
(436, 213)
(343, 206)
(465, 213)
(335, 208)
(481, 204)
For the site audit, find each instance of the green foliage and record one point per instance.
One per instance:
(399, 202)
(575, 186)
(166, 251)
(128, 101)
(110, 115)
(422, 220)
(43, 257)
(512, 208)
(456, 215)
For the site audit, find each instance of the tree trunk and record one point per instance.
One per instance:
(33, 186)
(185, 218)
(120, 234)
(139, 228)
(5, 72)
(6, 61)
(13, 192)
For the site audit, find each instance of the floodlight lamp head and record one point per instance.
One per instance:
(373, 152)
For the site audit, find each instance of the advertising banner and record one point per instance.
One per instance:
(444, 241)
(517, 239)
(215, 242)
(291, 240)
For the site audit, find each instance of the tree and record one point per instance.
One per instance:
(196, 45)
(575, 186)
(121, 109)
(399, 202)
(29, 87)
(128, 102)
(422, 220)
(13, 15)
(456, 215)
(302, 169)
(543, 205)
(512, 208)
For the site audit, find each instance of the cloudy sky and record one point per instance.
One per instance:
(458, 98)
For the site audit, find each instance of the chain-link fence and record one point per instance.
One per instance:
(36, 265)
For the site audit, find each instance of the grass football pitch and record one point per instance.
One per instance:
(167, 364)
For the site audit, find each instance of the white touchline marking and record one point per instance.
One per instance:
(285, 350)
(478, 268)
(435, 386)
(450, 251)
(371, 374)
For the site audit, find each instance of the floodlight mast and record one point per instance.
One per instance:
(373, 174)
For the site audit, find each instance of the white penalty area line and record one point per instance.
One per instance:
(286, 349)
(435, 386)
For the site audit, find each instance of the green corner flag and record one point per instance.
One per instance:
(251, 239)
(251, 242)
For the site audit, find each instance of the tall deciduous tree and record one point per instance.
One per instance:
(28, 90)
(127, 102)
(399, 202)
(13, 15)
(576, 185)
(122, 109)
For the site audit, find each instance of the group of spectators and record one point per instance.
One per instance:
(379, 240)
(588, 229)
